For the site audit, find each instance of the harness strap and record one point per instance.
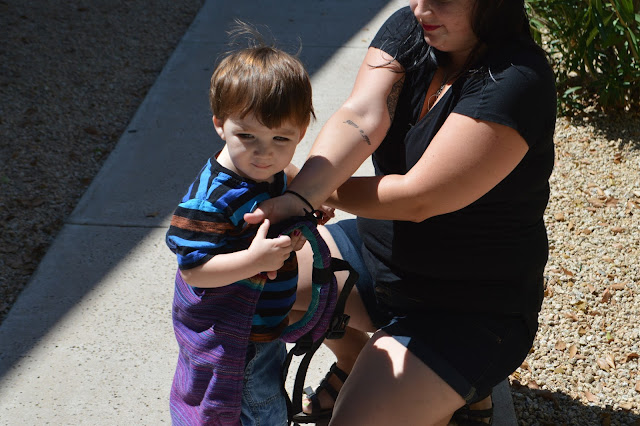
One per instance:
(305, 345)
(340, 320)
(324, 288)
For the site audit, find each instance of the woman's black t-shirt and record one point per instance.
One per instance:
(490, 255)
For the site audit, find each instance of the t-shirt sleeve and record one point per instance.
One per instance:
(198, 232)
(521, 96)
(397, 37)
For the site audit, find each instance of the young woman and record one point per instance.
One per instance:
(456, 104)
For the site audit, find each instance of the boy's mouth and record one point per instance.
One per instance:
(261, 166)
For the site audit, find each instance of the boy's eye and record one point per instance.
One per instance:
(245, 136)
(281, 139)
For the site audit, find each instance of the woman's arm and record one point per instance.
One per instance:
(346, 140)
(465, 160)
(354, 131)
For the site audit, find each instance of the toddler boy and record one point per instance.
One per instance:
(227, 311)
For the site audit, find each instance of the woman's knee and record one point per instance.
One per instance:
(389, 385)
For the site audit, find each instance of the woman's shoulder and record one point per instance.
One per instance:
(512, 73)
(514, 86)
(395, 31)
(401, 18)
(401, 37)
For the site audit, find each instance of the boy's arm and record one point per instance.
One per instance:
(263, 255)
(221, 270)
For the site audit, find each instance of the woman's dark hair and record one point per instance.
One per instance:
(494, 21)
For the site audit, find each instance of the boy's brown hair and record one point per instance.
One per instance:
(262, 80)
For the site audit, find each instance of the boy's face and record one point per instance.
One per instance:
(255, 151)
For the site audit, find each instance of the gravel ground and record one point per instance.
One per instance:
(584, 368)
(73, 74)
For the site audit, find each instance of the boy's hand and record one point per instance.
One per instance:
(270, 254)
(278, 209)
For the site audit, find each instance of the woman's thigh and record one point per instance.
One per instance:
(354, 306)
(403, 390)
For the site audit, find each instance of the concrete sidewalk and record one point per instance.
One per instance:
(90, 339)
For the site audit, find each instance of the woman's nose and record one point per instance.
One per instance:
(423, 8)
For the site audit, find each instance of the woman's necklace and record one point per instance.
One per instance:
(436, 95)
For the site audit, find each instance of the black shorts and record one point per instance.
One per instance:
(472, 352)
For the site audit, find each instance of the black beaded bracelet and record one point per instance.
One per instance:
(288, 191)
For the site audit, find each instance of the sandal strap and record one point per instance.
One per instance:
(338, 372)
(325, 385)
(315, 404)
(470, 417)
(476, 413)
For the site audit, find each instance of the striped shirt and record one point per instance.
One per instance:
(209, 221)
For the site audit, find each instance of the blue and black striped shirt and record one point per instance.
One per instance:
(210, 221)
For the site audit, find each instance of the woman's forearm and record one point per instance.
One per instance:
(344, 143)
(354, 131)
(465, 161)
(379, 197)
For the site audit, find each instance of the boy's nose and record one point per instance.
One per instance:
(262, 149)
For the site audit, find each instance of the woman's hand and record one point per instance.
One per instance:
(328, 213)
(277, 209)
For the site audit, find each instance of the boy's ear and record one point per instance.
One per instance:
(217, 123)
(304, 132)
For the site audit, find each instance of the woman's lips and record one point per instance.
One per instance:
(430, 27)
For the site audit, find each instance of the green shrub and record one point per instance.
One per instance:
(595, 49)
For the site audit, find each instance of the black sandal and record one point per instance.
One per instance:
(465, 416)
(318, 413)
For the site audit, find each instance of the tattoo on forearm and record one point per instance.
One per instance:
(362, 133)
(392, 99)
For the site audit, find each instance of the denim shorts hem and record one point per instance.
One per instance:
(471, 353)
(434, 361)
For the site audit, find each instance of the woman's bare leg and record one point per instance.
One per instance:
(389, 385)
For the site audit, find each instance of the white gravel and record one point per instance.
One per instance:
(584, 366)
